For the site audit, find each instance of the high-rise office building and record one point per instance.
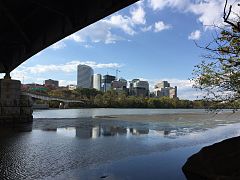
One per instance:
(51, 83)
(97, 81)
(84, 76)
(120, 85)
(163, 88)
(139, 88)
(107, 81)
(173, 92)
(162, 84)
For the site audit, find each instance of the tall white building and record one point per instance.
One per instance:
(84, 76)
(97, 81)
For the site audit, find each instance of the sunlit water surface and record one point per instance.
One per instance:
(72, 144)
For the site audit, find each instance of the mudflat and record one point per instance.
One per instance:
(222, 116)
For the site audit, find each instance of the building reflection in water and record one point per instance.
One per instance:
(113, 131)
(69, 132)
(167, 132)
(88, 132)
(103, 131)
(134, 131)
(50, 129)
(96, 132)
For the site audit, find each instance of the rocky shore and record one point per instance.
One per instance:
(219, 161)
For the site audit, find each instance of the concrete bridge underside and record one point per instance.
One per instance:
(30, 26)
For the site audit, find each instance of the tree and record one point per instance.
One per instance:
(98, 100)
(87, 93)
(219, 74)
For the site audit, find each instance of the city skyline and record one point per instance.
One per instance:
(151, 40)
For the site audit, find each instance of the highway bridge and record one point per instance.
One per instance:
(29, 26)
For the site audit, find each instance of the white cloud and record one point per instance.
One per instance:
(209, 12)
(58, 45)
(161, 4)
(101, 31)
(97, 32)
(66, 82)
(105, 29)
(78, 36)
(158, 4)
(146, 28)
(65, 68)
(160, 26)
(124, 23)
(138, 14)
(195, 35)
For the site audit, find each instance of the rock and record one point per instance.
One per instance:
(220, 161)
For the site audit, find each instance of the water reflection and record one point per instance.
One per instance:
(49, 129)
(134, 131)
(113, 131)
(88, 132)
(70, 131)
(104, 131)
(66, 148)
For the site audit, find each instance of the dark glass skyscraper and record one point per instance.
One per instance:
(84, 76)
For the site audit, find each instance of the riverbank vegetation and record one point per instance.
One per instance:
(113, 99)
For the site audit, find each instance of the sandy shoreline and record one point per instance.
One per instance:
(175, 117)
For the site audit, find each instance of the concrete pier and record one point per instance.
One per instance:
(14, 107)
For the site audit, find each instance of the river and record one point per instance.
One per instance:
(77, 144)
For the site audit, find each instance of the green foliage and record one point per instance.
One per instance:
(87, 93)
(114, 99)
(54, 104)
(219, 74)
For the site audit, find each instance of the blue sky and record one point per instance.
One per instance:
(151, 39)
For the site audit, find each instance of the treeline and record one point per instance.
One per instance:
(113, 99)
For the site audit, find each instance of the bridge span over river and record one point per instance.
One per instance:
(47, 98)
(29, 26)
(63, 102)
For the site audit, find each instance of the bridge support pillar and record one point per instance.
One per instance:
(14, 107)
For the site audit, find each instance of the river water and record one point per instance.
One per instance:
(75, 144)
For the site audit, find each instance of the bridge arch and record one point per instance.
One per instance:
(29, 26)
